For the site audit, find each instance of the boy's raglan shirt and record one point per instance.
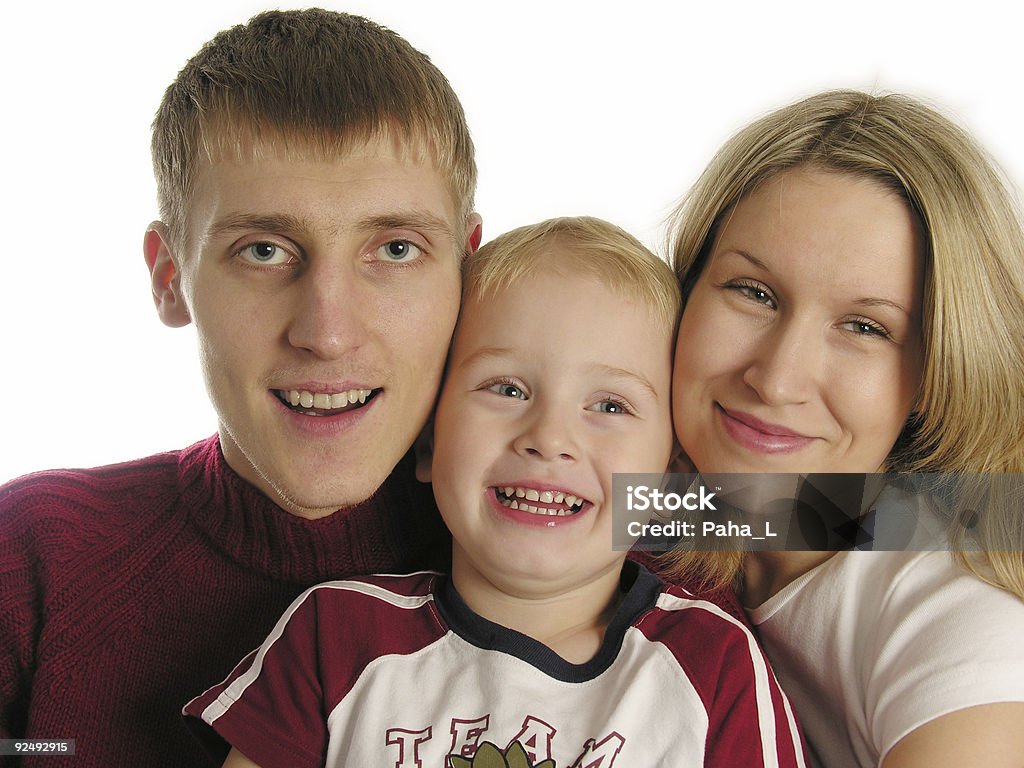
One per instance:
(398, 671)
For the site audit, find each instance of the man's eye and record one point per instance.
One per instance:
(264, 253)
(398, 251)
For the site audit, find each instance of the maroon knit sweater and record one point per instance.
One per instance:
(127, 590)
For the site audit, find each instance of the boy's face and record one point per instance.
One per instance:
(553, 385)
(324, 293)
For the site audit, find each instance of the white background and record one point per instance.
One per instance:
(608, 109)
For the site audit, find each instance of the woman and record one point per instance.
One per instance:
(854, 278)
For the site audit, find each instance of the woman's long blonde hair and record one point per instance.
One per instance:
(969, 414)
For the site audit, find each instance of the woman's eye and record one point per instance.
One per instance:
(398, 251)
(866, 328)
(265, 253)
(508, 390)
(755, 293)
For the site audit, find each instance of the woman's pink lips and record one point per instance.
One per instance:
(760, 436)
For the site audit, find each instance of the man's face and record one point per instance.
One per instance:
(324, 293)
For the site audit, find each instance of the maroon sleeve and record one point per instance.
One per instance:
(750, 721)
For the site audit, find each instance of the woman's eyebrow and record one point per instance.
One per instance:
(750, 257)
(874, 301)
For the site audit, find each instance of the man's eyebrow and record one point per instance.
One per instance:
(418, 220)
(293, 225)
(247, 222)
(632, 376)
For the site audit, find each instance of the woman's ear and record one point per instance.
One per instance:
(423, 449)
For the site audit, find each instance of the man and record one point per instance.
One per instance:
(315, 177)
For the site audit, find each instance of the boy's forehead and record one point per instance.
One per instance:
(556, 325)
(489, 314)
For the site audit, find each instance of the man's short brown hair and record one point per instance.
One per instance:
(309, 82)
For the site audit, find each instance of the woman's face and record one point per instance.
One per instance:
(800, 346)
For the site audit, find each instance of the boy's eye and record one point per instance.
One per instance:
(398, 251)
(508, 390)
(265, 253)
(610, 406)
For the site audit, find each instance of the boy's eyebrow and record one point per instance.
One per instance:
(633, 376)
(609, 371)
(486, 353)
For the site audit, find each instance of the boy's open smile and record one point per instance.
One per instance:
(540, 502)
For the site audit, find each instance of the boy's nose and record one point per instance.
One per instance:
(547, 437)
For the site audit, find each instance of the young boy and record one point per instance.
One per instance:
(544, 647)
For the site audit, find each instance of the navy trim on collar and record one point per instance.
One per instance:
(641, 592)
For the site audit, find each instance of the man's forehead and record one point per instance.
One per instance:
(231, 143)
(375, 183)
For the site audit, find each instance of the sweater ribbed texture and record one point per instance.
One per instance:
(126, 590)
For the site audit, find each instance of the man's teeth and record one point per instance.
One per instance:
(305, 399)
(518, 498)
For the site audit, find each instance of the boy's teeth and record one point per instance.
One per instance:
(519, 498)
(326, 401)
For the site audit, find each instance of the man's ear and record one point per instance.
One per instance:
(474, 232)
(164, 276)
(423, 448)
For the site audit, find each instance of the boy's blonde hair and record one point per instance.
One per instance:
(588, 246)
(305, 83)
(968, 415)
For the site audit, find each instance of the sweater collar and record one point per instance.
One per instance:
(398, 528)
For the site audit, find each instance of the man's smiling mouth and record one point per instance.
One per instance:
(536, 501)
(325, 404)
